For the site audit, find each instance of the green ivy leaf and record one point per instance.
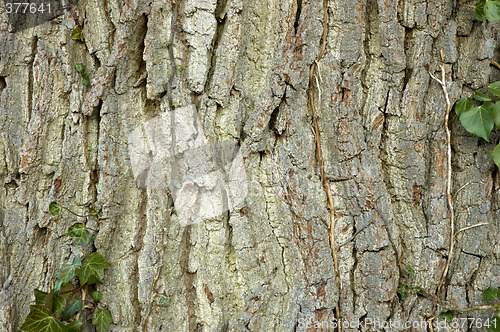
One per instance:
(494, 325)
(77, 34)
(96, 212)
(492, 10)
(102, 319)
(92, 271)
(65, 290)
(496, 113)
(86, 79)
(403, 292)
(72, 309)
(74, 326)
(479, 120)
(165, 44)
(491, 294)
(49, 301)
(479, 13)
(163, 301)
(57, 286)
(415, 290)
(179, 68)
(67, 273)
(410, 271)
(481, 97)
(495, 88)
(40, 297)
(58, 303)
(447, 314)
(40, 320)
(463, 105)
(80, 67)
(80, 235)
(54, 209)
(96, 295)
(496, 156)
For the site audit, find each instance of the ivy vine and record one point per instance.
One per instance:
(480, 119)
(60, 309)
(481, 113)
(490, 294)
(478, 116)
(80, 68)
(487, 10)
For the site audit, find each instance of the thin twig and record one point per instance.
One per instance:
(158, 273)
(482, 307)
(386, 224)
(460, 189)
(319, 74)
(494, 63)
(407, 150)
(326, 184)
(436, 301)
(469, 227)
(355, 234)
(153, 295)
(119, 260)
(324, 221)
(442, 82)
(470, 6)
(71, 290)
(465, 5)
(84, 295)
(97, 219)
(318, 86)
(90, 313)
(75, 214)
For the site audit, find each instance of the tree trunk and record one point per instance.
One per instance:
(266, 264)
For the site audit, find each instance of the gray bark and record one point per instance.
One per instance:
(246, 68)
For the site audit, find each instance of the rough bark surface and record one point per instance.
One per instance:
(245, 67)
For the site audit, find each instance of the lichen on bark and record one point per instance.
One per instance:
(246, 66)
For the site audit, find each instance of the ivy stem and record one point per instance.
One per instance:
(469, 227)
(75, 214)
(97, 219)
(494, 63)
(470, 6)
(442, 82)
(72, 290)
(90, 313)
(465, 5)
(459, 189)
(313, 78)
(84, 295)
(450, 308)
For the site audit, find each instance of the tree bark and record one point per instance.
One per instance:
(268, 265)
